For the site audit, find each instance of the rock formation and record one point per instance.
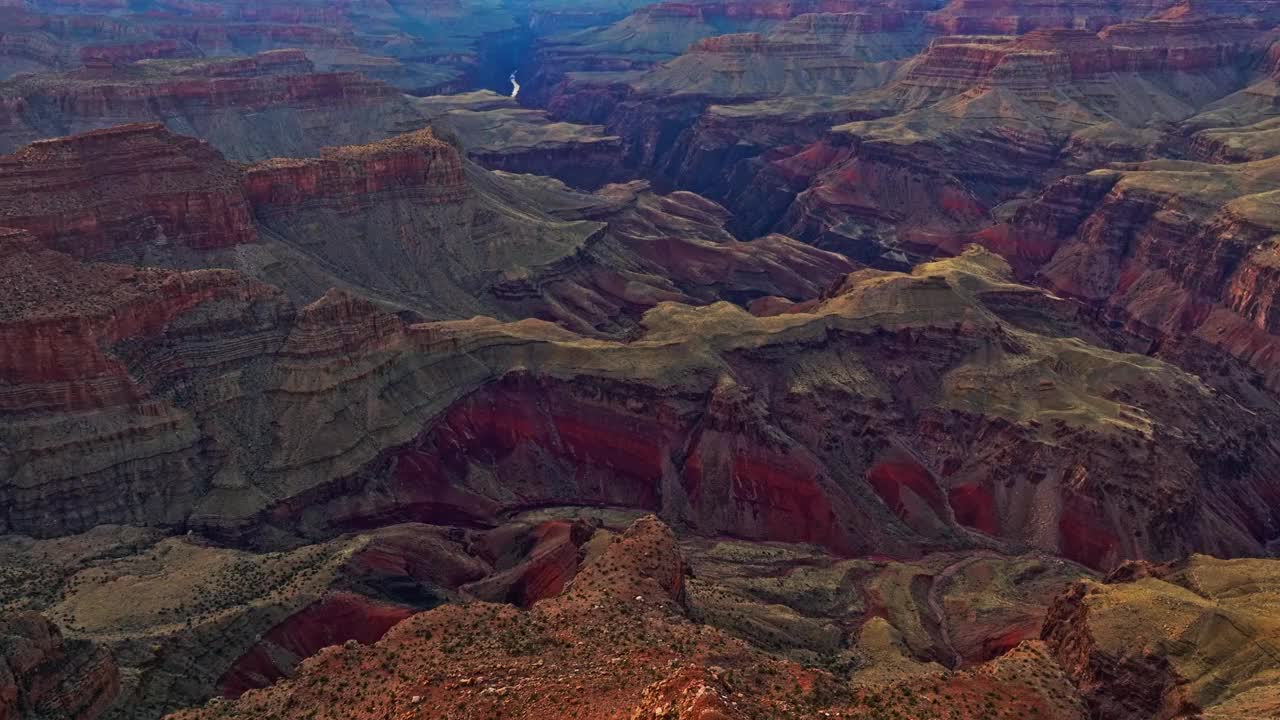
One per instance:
(44, 675)
(498, 134)
(1187, 280)
(748, 360)
(907, 152)
(476, 418)
(1195, 638)
(619, 644)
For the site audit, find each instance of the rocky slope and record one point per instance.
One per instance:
(206, 621)
(1191, 639)
(103, 192)
(1195, 638)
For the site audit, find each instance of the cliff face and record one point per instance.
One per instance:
(500, 135)
(1178, 253)
(68, 335)
(123, 343)
(793, 50)
(921, 149)
(44, 675)
(343, 178)
(441, 237)
(93, 194)
(1005, 17)
(420, 48)
(707, 474)
(983, 124)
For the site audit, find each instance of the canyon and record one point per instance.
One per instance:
(711, 360)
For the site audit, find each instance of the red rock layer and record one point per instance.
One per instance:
(1200, 276)
(753, 44)
(773, 10)
(68, 331)
(96, 56)
(1044, 58)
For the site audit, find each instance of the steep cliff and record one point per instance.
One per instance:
(102, 192)
(1179, 253)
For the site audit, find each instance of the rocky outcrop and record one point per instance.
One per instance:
(97, 193)
(1193, 639)
(44, 675)
(345, 178)
(532, 562)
